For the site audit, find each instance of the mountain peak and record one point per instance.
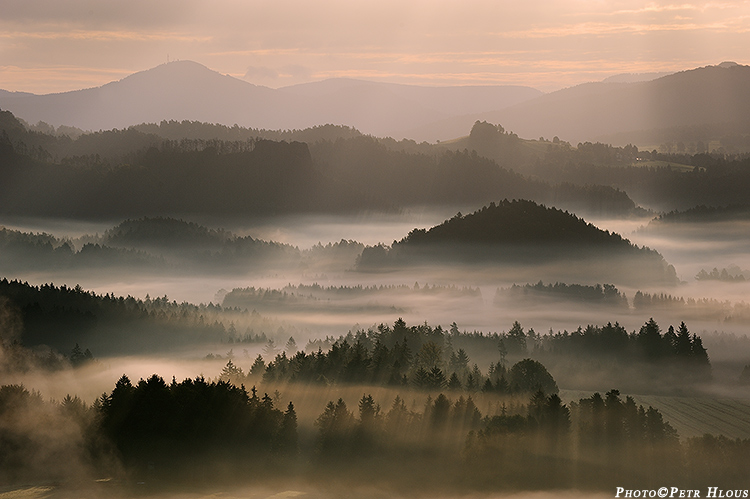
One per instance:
(185, 71)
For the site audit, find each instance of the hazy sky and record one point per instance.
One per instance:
(58, 45)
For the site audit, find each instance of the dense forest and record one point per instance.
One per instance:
(143, 174)
(661, 181)
(509, 232)
(156, 433)
(598, 294)
(704, 214)
(672, 179)
(60, 317)
(380, 298)
(517, 231)
(431, 358)
(343, 169)
(164, 245)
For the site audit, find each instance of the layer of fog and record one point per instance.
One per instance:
(304, 231)
(90, 381)
(688, 248)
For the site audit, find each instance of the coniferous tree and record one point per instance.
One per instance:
(258, 367)
(454, 383)
(288, 439)
(335, 427)
(683, 344)
(650, 340)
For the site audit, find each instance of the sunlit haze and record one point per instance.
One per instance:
(374, 249)
(51, 46)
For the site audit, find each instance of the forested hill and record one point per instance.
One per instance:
(162, 231)
(156, 244)
(446, 177)
(131, 174)
(517, 222)
(61, 317)
(265, 178)
(517, 231)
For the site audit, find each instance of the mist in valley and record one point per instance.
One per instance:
(311, 296)
(190, 309)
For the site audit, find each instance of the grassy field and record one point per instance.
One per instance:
(662, 164)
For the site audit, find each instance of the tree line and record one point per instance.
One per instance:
(433, 359)
(604, 294)
(156, 431)
(62, 316)
(129, 174)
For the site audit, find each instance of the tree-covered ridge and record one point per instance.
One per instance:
(418, 356)
(704, 214)
(434, 359)
(421, 355)
(314, 296)
(345, 364)
(26, 250)
(679, 176)
(128, 173)
(157, 432)
(604, 294)
(195, 130)
(163, 231)
(591, 177)
(71, 145)
(524, 155)
(163, 244)
(670, 348)
(196, 244)
(694, 308)
(16, 358)
(526, 232)
(663, 181)
(455, 177)
(642, 302)
(733, 274)
(269, 177)
(62, 316)
(516, 222)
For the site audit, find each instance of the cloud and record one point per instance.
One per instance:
(296, 71)
(283, 74)
(428, 41)
(95, 14)
(254, 73)
(102, 36)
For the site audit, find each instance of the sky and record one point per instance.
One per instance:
(51, 46)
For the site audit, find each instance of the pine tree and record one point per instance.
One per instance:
(454, 383)
(288, 439)
(258, 367)
(232, 374)
(291, 347)
(683, 347)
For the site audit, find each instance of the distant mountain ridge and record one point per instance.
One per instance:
(634, 77)
(712, 95)
(627, 108)
(186, 90)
